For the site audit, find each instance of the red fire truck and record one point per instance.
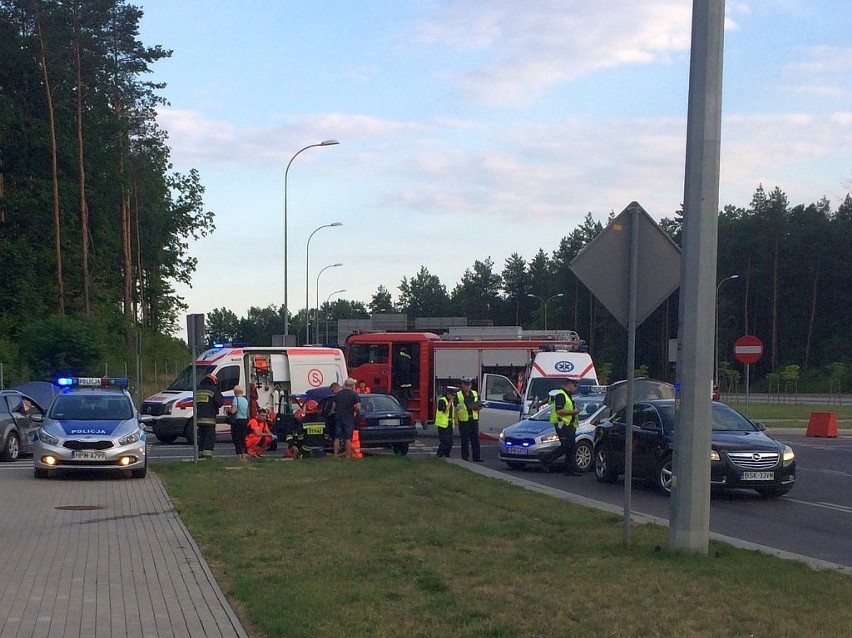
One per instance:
(501, 369)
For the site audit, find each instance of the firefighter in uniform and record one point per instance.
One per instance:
(209, 401)
(563, 416)
(444, 420)
(467, 416)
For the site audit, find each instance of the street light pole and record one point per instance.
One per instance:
(307, 286)
(318, 278)
(336, 292)
(286, 175)
(716, 327)
(544, 303)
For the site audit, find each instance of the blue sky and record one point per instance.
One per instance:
(472, 129)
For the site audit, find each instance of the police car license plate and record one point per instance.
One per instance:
(758, 476)
(516, 450)
(389, 421)
(89, 455)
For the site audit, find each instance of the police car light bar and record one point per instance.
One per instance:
(93, 382)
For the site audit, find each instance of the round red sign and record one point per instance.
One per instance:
(748, 349)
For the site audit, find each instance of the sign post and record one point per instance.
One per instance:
(748, 349)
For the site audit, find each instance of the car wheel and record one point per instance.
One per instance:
(585, 456)
(400, 448)
(604, 470)
(514, 466)
(664, 475)
(166, 438)
(13, 448)
(40, 473)
(188, 434)
(772, 492)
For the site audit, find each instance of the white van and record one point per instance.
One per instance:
(548, 371)
(268, 373)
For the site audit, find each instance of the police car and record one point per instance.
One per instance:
(91, 425)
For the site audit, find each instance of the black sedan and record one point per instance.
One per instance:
(741, 455)
(381, 422)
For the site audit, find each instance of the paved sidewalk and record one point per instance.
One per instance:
(101, 556)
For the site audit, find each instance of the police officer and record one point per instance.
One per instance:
(467, 416)
(209, 400)
(563, 416)
(444, 420)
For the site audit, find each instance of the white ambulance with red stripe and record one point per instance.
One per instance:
(267, 375)
(548, 370)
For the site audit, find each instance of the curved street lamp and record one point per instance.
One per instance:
(716, 330)
(307, 285)
(544, 303)
(318, 278)
(336, 292)
(286, 174)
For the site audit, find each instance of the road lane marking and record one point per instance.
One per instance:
(828, 506)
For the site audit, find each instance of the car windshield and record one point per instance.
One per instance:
(378, 403)
(725, 419)
(184, 379)
(88, 407)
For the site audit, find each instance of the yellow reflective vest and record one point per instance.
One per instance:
(461, 407)
(558, 419)
(444, 418)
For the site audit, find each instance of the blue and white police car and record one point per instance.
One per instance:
(91, 425)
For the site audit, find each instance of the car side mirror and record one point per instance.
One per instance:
(651, 426)
(760, 425)
(36, 417)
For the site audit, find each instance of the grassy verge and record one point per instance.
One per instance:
(790, 415)
(393, 546)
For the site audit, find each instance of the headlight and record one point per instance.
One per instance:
(44, 435)
(714, 456)
(130, 438)
(549, 438)
(789, 456)
(501, 436)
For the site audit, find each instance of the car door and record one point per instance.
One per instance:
(501, 404)
(647, 439)
(23, 423)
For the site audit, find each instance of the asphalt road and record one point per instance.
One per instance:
(814, 519)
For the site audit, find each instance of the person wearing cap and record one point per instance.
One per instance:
(209, 401)
(444, 418)
(563, 416)
(467, 416)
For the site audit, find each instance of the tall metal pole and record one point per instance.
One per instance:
(286, 175)
(716, 332)
(307, 286)
(559, 294)
(316, 330)
(689, 528)
(326, 301)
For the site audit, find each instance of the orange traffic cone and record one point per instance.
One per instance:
(356, 446)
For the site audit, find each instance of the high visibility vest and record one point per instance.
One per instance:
(444, 418)
(558, 419)
(461, 409)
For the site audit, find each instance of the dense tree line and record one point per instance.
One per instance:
(94, 223)
(793, 290)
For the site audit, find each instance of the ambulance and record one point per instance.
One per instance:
(267, 375)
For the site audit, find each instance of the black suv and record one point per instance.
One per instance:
(741, 455)
(16, 428)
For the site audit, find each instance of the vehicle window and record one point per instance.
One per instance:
(85, 407)
(499, 388)
(184, 379)
(643, 413)
(381, 404)
(541, 415)
(540, 389)
(726, 419)
(6, 404)
(229, 378)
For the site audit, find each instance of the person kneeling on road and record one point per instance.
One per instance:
(259, 437)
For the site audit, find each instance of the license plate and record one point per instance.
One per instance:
(89, 455)
(389, 421)
(758, 476)
(521, 451)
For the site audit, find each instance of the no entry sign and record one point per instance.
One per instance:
(748, 349)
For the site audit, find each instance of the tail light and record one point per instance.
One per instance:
(361, 422)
